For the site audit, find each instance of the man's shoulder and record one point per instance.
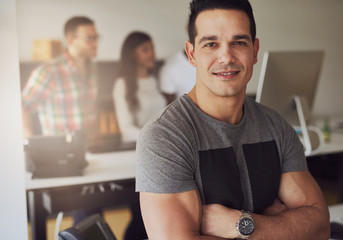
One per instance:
(267, 116)
(261, 110)
(51, 64)
(174, 117)
(174, 112)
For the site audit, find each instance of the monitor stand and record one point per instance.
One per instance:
(307, 131)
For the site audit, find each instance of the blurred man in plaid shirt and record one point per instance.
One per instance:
(63, 91)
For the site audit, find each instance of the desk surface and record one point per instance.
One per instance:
(334, 146)
(102, 167)
(121, 165)
(336, 213)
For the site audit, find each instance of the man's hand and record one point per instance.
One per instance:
(276, 208)
(220, 221)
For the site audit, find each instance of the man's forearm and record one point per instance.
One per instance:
(310, 222)
(307, 222)
(210, 238)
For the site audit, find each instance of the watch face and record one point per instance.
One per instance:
(246, 226)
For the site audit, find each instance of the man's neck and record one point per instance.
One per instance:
(226, 109)
(82, 66)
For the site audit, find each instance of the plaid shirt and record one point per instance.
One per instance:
(63, 100)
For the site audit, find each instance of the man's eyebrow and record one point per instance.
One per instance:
(208, 38)
(242, 37)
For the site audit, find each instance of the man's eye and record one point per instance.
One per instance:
(241, 43)
(211, 44)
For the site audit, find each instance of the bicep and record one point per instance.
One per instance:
(298, 189)
(169, 215)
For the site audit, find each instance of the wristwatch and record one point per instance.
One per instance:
(245, 225)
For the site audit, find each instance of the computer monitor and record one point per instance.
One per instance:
(288, 83)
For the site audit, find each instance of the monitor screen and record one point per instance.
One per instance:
(288, 84)
(285, 74)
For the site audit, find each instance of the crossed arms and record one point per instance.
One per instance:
(300, 212)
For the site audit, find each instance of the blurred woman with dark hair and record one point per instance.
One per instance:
(136, 99)
(136, 95)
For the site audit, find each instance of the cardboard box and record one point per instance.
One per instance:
(44, 49)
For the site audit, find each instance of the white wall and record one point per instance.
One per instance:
(164, 20)
(306, 25)
(13, 220)
(281, 25)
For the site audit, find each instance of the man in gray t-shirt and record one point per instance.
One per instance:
(238, 166)
(215, 164)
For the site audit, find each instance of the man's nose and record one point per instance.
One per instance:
(226, 55)
(95, 42)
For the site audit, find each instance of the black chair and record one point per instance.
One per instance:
(71, 234)
(93, 227)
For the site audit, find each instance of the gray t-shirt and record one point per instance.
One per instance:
(182, 148)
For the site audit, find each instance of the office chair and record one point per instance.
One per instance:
(71, 234)
(93, 227)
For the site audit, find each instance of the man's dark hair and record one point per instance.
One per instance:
(198, 6)
(74, 22)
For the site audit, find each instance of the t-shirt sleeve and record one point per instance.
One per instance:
(293, 157)
(164, 160)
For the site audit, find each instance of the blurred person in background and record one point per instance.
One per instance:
(136, 99)
(177, 76)
(63, 91)
(136, 94)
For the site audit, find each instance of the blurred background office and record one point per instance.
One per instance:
(282, 25)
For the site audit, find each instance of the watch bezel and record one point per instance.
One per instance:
(245, 216)
(240, 226)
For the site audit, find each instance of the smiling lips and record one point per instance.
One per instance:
(226, 74)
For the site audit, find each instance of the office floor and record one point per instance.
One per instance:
(117, 219)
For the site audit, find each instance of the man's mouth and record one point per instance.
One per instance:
(226, 74)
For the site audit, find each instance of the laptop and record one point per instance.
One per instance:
(55, 156)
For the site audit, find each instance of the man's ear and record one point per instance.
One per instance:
(256, 48)
(69, 39)
(189, 48)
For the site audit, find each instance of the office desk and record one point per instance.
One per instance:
(108, 180)
(335, 145)
(327, 164)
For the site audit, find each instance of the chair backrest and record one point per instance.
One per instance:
(93, 227)
(71, 234)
